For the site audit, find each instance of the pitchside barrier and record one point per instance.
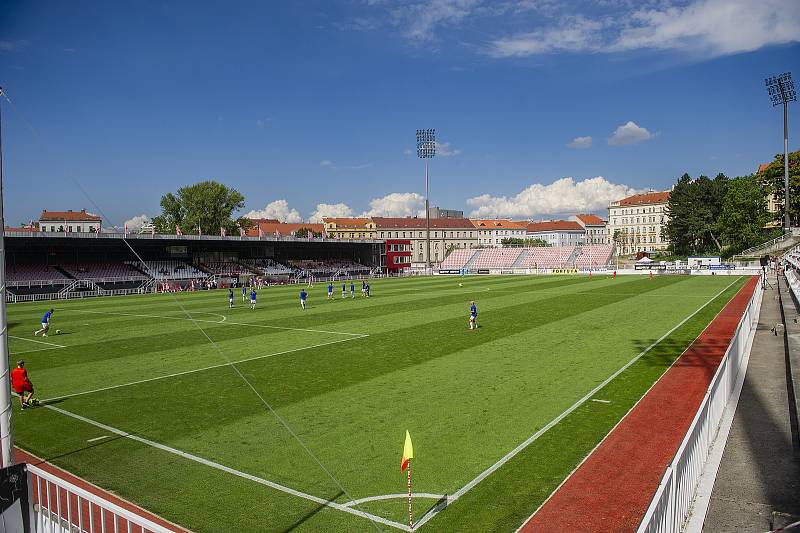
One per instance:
(670, 506)
(58, 506)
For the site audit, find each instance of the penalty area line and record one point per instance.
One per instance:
(194, 370)
(193, 319)
(36, 341)
(510, 455)
(233, 471)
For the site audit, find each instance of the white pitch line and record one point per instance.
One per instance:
(394, 497)
(220, 365)
(37, 341)
(216, 322)
(37, 350)
(98, 438)
(507, 457)
(229, 470)
(600, 401)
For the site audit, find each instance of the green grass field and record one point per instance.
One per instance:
(133, 380)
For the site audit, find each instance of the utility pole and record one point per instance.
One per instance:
(426, 149)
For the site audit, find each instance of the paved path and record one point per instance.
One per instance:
(760, 470)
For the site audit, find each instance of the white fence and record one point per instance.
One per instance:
(670, 506)
(58, 506)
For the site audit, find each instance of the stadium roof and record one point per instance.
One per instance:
(419, 223)
(498, 223)
(590, 220)
(554, 225)
(763, 166)
(644, 199)
(70, 215)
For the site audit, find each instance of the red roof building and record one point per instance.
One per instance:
(595, 228)
(636, 223)
(69, 221)
(557, 232)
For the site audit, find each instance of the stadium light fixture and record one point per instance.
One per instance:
(6, 440)
(426, 149)
(781, 91)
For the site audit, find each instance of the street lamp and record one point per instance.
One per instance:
(781, 91)
(6, 440)
(426, 149)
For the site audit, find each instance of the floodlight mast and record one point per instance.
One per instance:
(426, 149)
(781, 91)
(6, 440)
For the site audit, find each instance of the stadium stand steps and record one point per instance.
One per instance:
(472, 259)
(520, 259)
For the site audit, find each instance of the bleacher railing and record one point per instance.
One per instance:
(671, 503)
(60, 506)
(158, 236)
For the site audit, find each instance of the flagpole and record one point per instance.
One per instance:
(410, 511)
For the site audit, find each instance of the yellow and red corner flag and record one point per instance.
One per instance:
(408, 452)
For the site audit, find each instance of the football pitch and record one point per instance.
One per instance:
(142, 399)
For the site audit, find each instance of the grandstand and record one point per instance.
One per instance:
(530, 258)
(226, 268)
(497, 257)
(171, 270)
(459, 258)
(596, 255)
(104, 271)
(270, 267)
(20, 275)
(547, 257)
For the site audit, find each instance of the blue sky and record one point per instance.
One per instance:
(310, 108)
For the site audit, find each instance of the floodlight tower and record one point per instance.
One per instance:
(426, 149)
(781, 91)
(6, 441)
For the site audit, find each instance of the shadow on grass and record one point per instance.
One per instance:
(313, 512)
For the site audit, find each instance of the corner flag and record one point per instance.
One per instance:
(408, 452)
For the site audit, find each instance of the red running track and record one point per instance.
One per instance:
(83, 514)
(613, 488)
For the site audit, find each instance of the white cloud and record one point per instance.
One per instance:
(562, 197)
(397, 204)
(279, 209)
(330, 164)
(574, 34)
(630, 133)
(135, 224)
(330, 210)
(716, 27)
(325, 163)
(581, 142)
(444, 150)
(13, 46)
(706, 28)
(420, 20)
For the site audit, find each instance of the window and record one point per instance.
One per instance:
(70, 229)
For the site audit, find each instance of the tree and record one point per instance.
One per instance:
(694, 207)
(744, 214)
(771, 178)
(516, 241)
(304, 232)
(207, 205)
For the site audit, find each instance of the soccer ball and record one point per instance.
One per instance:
(460, 284)
(58, 332)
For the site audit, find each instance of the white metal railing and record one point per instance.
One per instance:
(63, 507)
(762, 247)
(669, 508)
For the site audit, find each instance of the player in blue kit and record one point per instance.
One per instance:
(330, 290)
(344, 290)
(230, 298)
(303, 296)
(252, 298)
(352, 289)
(244, 294)
(45, 324)
(473, 316)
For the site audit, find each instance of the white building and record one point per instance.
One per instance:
(595, 228)
(638, 221)
(446, 233)
(491, 232)
(69, 222)
(557, 232)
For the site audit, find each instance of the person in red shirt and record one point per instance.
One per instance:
(22, 385)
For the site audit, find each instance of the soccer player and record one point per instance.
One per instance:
(352, 289)
(344, 290)
(45, 324)
(303, 296)
(473, 316)
(330, 290)
(363, 288)
(244, 293)
(230, 298)
(252, 298)
(367, 290)
(22, 385)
